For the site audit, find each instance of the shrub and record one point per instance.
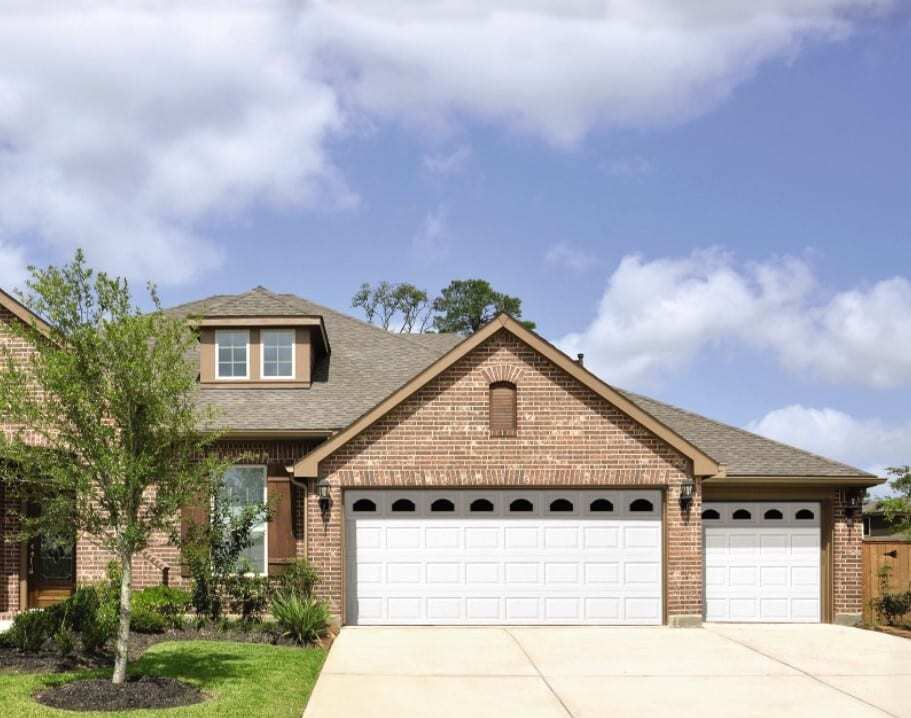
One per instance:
(145, 621)
(247, 595)
(32, 630)
(892, 606)
(65, 640)
(169, 603)
(299, 578)
(303, 620)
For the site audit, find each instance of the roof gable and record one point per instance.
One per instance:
(703, 464)
(22, 312)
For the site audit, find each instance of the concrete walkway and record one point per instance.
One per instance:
(584, 672)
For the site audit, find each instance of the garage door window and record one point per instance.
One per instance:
(403, 505)
(710, 515)
(561, 505)
(442, 505)
(641, 505)
(481, 506)
(804, 515)
(521, 505)
(773, 515)
(741, 515)
(365, 505)
(601, 505)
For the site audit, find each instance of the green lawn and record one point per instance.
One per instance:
(242, 679)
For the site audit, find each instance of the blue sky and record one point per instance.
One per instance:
(717, 217)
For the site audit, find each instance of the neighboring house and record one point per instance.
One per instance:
(876, 526)
(493, 479)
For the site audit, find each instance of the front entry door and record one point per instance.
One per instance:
(51, 570)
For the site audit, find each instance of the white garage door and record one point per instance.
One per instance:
(508, 557)
(762, 562)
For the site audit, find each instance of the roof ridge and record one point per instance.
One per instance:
(745, 432)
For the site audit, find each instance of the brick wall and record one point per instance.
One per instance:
(847, 558)
(567, 436)
(161, 554)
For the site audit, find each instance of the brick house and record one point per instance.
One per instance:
(438, 479)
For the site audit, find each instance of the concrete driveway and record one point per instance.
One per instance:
(720, 670)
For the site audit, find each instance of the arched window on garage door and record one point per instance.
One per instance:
(363, 505)
(641, 505)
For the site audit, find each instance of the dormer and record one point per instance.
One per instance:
(260, 343)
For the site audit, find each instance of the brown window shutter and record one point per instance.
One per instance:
(282, 545)
(195, 513)
(503, 409)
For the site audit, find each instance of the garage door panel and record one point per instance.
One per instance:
(568, 565)
(764, 569)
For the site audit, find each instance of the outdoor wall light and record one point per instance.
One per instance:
(325, 500)
(853, 503)
(687, 486)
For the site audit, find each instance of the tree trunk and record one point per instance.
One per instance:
(123, 630)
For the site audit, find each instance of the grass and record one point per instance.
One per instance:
(242, 680)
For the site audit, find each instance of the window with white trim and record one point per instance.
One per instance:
(231, 350)
(278, 353)
(245, 486)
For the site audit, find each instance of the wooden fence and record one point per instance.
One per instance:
(896, 554)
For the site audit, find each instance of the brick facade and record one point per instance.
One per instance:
(567, 436)
(847, 559)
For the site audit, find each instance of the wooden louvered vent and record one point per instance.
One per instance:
(502, 409)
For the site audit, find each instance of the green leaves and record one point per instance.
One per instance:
(466, 305)
(897, 509)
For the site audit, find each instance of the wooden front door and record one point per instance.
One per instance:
(51, 570)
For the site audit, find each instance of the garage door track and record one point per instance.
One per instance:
(584, 672)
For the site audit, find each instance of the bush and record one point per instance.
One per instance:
(32, 630)
(892, 606)
(247, 596)
(299, 578)
(303, 620)
(169, 603)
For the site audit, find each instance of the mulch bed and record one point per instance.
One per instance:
(11, 660)
(102, 695)
(900, 631)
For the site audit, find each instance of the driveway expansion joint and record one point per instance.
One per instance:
(540, 674)
(812, 676)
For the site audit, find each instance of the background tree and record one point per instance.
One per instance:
(897, 509)
(384, 302)
(108, 427)
(467, 304)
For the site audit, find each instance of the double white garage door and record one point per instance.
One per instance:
(503, 557)
(570, 557)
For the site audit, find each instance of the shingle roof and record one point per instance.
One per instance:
(742, 452)
(368, 364)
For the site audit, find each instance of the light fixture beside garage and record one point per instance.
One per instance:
(687, 486)
(325, 500)
(853, 503)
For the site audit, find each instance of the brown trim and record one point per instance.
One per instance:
(860, 480)
(295, 321)
(254, 384)
(17, 308)
(703, 464)
(664, 539)
(822, 494)
(265, 434)
(23, 576)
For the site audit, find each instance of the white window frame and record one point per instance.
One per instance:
(265, 470)
(262, 355)
(221, 332)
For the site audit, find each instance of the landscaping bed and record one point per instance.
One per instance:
(93, 694)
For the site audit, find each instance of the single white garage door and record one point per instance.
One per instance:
(762, 562)
(503, 557)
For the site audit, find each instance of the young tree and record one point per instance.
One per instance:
(897, 509)
(385, 301)
(108, 431)
(467, 304)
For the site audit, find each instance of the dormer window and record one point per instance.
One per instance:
(278, 353)
(232, 350)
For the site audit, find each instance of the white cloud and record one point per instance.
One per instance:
(557, 68)
(13, 267)
(136, 130)
(563, 254)
(655, 317)
(870, 444)
(431, 241)
(126, 131)
(447, 163)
